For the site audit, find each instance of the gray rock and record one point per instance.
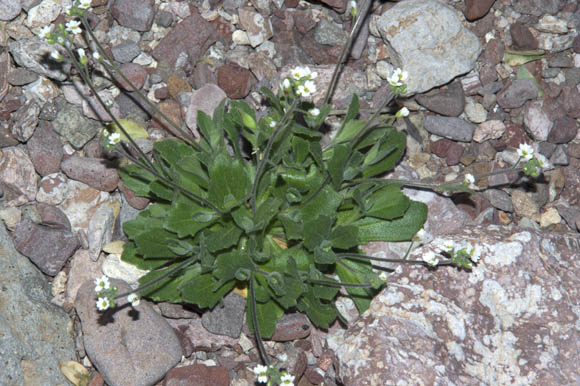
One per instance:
(9, 9)
(499, 199)
(137, 15)
(560, 157)
(444, 326)
(537, 121)
(561, 60)
(100, 231)
(564, 130)
(17, 176)
(45, 149)
(131, 107)
(572, 77)
(72, 125)
(361, 39)
(517, 93)
(129, 347)
(125, 51)
(206, 99)
(48, 248)
(25, 121)
(427, 39)
(450, 127)
(450, 102)
(538, 7)
(329, 33)
(227, 319)
(34, 332)
(258, 28)
(21, 76)
(34, 54)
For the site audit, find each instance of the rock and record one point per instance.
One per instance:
(206, 99)
(537, 121)
(524, 205)
(476, 9)
(338, 5)
(52, 217)
(561, 60)
(564, 130)
(201, 339)
(45, 149)
(25, 121)
(92, 171)
(137, 15)
(447, 149)
(488, 130)
(571, 185)
(100, 230)
(262, 66)
(32, 53)
(450, 127)
(17, 176)
(236, 81)
(133, 347)
(115, 268)
(133, 200)
(48, 248)
(34, 332)
(192, 36)
(9, 9)
(499, 199)
(80, 202)
(489, 334)
(552, 24)
(550, 217)
(329, 33)
(560, 157)
(52, 189)
(515, 94)
(43, 14)
(227, 319)
(292, 327)
(82, 269)
(475, 112)
(125, 51)
(450, 102)
(256, 26)
(431, 44)
(72, 126)
(570, 101)
(198, 374)
(131, 107)
(538, 7)
(176, 310)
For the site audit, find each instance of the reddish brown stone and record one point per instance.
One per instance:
(135, 73)
(53, 217)
(476, 9)
(94, 172)
(522, 38)
(236, 81)
(161, 93)
(199, 375)
(563, 131)
(514, 136)
(45, 149)
(136, 202)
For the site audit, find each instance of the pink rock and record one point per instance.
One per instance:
(45, 149)
(236, 81)
(206, 99)
(92, 171)
(445, 326)
(197, 374)
(488, 130)
(291, 327)
(81, 202)
(135, 73)
(25, 121)
(53, 217)
(48, 248)
(17, 176)
(201, 339)
(53, 189)
(82, 269)
(476, 9)
(133, 200)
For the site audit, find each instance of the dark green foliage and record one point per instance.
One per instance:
(285, 230)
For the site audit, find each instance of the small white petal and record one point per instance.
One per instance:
(430, 258)
(314, 112)
(103, 304)
(134, 299)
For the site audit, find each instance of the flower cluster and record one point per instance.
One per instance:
(272, 376)
(532, 163)
(397, 81)
(462, 254)
(110, 140)
(106, 294)
(301, 81)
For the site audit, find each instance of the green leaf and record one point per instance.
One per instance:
(301, 180)
(325, 202)
(132, 128)
(267, 210)
(321, 314)
(243, 218)
(387, 202)
(154, 243)
(337, 163)
(267, 315)
(316, 231)
(356, 272)
(352, 111)
(130, 256)
(398, 142)
(137, 179)
(227, 264)
(291, 220)
(229, 182)
(199, 289)
(323, 253)
(212, 133)
(344, 236)
(517, 58)
(187, 220)
(167, 290)
(351, 129)
(300, 148)
(223, 236)
(524, 73)
(401, 229)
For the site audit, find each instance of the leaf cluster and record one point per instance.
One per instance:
(261, 199)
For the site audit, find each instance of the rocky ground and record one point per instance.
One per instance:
(484, 77)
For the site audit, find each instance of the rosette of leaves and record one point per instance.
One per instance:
(261, 203)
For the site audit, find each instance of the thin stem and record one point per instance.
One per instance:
(400, 261)
(259, 342)
(178, 267)
(339, 284)
(109, 64)
(346, 48)
(279, 127)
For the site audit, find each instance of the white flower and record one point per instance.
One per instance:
(475, 254)
(286, 84)
(272, 124)
(526, 152)
(260, 371)
(85, 4)
(300, 72)
(96, 55)
(383, 276)
(72, 26)
(448, 244)
(134, 299)
(398, 78)
(81, 52)
(103, 304)
(404, 112)
(114, 138)
(102, 283)
(45, 31)
(287, 379)
(353, 5)
(430, 258)
(55, 55)
(60, 40)
(307, 89)
(469, 179)
(314, 112)
(544, 164)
